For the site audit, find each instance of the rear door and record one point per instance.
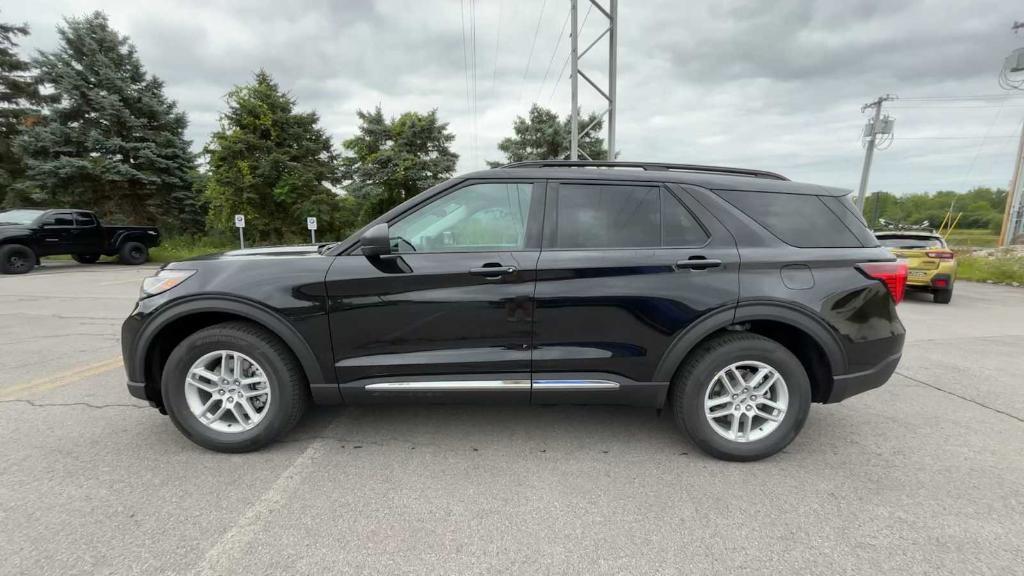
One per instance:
(88, 236)
(57, 234)
(625, 268)
(447, 317)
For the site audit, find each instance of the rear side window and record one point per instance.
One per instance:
(599, 216)
(796, 219)
(84, 219)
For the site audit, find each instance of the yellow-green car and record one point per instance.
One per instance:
(931, 265)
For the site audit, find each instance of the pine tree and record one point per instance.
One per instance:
(272, 164)
(543, 136)
(393, 160)
(19, 103)
(111, 141)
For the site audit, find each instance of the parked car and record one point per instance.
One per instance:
(735, 296)
(26, 235)
(931, 264)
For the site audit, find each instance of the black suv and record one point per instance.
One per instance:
(734, 295)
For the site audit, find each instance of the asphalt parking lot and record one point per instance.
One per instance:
(923, 476)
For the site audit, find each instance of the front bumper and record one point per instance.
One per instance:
(852, 384)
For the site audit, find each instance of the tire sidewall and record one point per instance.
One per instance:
(126, 253)
(701, 377)
(173, 390)
(26, 253)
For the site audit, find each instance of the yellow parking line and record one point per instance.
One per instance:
(58, 380)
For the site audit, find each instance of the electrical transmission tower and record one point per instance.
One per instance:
(876, 126)
(612, 14)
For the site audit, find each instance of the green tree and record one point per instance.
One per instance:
(19, 103)
(271, 163)
(111, 140)
(981, 208)
(543, 136)
(390, 161)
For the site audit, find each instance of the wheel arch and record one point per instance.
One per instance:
(163, 332)
(806, 336)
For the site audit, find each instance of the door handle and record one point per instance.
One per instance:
(698, 263)
(493, 271)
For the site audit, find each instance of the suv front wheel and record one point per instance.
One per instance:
(233, 387)
(741, 397)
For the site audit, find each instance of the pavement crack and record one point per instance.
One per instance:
(954, 394)
(35, 404)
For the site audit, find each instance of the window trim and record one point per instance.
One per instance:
(534, 219)
(551, 216)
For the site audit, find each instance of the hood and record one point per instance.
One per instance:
(266, 252)
(8, 230)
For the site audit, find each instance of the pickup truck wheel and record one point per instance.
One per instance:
(133, 253)
(16, 259)
(85, 258)
(741, 397)
(233, 387)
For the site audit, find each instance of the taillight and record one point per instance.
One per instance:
(940, 254)
(892, 274)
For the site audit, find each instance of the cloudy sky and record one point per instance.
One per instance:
(775, 85)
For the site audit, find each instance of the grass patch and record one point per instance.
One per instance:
(185, 247)
(1002, 269)
(973, 238)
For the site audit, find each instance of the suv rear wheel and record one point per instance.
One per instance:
(942, 296)
(233, 387)
(741, 397)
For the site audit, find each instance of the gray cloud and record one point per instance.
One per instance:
(773, 85)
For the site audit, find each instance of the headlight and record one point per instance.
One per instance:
(163, 282)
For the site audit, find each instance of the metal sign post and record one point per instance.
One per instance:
(311, 225)
(240, 224)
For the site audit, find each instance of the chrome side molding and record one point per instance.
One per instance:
(451, 385)
(575, 385)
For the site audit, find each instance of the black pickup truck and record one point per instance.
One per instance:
(27, 234)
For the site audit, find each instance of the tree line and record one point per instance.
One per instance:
(85, 125)
(981, 208)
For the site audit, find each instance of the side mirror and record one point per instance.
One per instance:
(376, 241)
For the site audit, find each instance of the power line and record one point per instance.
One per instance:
(540, 18)
(497, 45)
(953, 137)
(976, 97)
(554, 53)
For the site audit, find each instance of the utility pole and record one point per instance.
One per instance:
(1010, 79)
(609, 94)
(872, 130)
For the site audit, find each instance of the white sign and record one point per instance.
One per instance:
(239, 221)
(311, 223)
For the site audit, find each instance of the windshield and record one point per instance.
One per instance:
(911, 242)
(19, 216)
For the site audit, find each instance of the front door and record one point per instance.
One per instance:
(56, 234)
(625, 269)
(447, 316)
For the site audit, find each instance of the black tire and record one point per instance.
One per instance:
(16, 259)
(86, 258)
(942, 296)
(133, 253)
(698, 373)
(289, 391)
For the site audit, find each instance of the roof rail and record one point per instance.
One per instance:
(644, 166)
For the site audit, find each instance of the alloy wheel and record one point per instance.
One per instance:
(746, 401)
(227, 391)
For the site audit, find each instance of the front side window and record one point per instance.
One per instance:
(486, 217)
(59, 219)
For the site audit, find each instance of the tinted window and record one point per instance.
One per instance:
(592, 216)
(84, 219)
(678, 226)
(909, 241)
(59, 219)
(800, 220)
(477, 218)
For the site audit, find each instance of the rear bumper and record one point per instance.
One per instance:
(852, 384)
